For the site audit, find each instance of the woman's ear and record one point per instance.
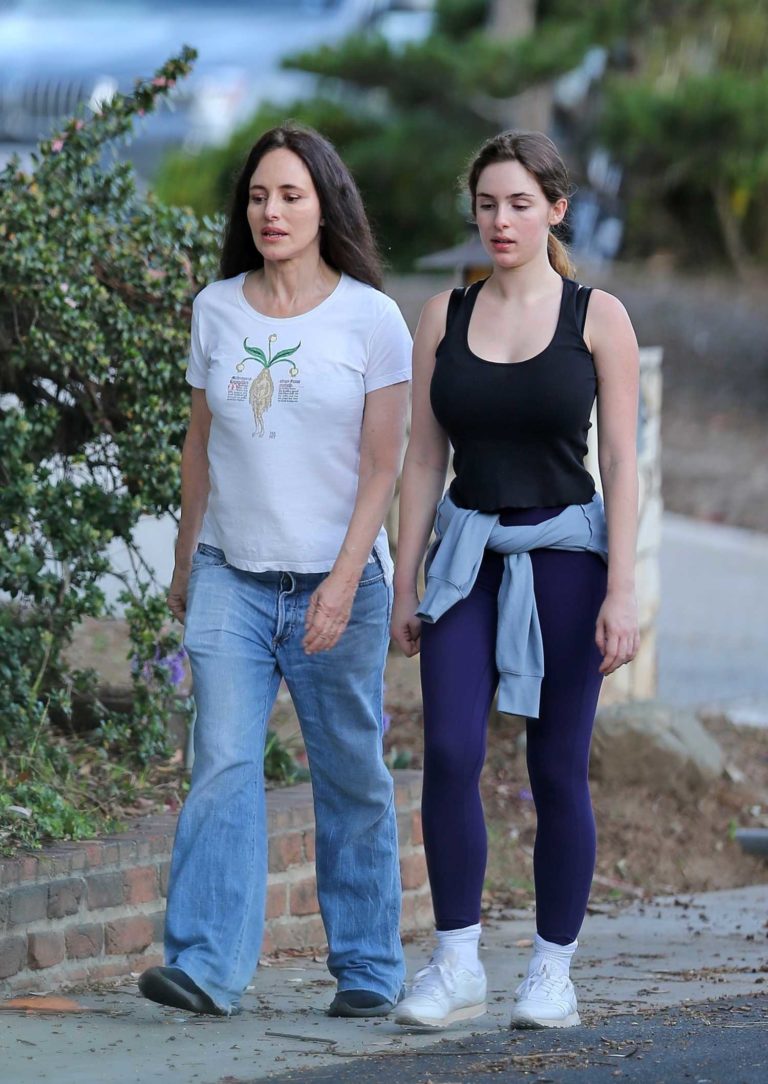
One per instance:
(557, 211)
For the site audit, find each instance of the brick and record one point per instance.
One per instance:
(413, 870)
(140, 884)
(101, 969)
(417, 832)
(303, 898)
(309, 845)
(28, 904)
(158, 927)
(110, 853)
(64, 897)
(164, 872)
(28, 869)
(298, 933)
(277, 901)
(404, 828)
(10, 871)
(13, 955)
(145, 959)
(127, 850)
(267, 944)
(84, 941)
(45, 949)
(285, 851)
(126, 935)
(104, 890)
(93, 855)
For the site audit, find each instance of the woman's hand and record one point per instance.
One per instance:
(616, 633)
(328, 614)
(177, 592)
(406, 626)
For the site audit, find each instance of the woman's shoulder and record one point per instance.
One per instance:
(604, 305)
(217, 291)
(372, 302)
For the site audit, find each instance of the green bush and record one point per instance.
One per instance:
(96, 286)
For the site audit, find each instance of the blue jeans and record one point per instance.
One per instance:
(243, 633)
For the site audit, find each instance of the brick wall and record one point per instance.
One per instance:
(91, 911)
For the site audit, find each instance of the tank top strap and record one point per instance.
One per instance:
(580, 303)
(460, 306)
(454, 304)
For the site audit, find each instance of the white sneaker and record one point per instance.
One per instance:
(442, 994)
(545, 999)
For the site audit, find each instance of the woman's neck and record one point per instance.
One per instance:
(525, 283)
(291, 287)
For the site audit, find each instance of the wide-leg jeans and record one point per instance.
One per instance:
(244, 632)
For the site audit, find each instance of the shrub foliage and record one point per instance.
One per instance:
(96, 285)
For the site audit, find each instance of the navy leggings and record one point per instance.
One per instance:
(459, 678)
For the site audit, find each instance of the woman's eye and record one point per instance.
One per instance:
(486, 206)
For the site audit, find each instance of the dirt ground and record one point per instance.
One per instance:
(648, 842)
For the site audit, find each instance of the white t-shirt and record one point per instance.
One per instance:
(287, 397)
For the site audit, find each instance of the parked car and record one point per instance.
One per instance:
(57, 57)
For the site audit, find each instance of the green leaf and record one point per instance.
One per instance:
(255, 352)
(285, 353)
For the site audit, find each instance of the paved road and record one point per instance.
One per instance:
(715, 1042)
(713, 623)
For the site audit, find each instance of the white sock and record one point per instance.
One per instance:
(557, 956)
(462, 945)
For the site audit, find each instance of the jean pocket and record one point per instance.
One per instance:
(372, 573)
(209, 556)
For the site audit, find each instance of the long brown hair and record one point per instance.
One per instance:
(537, 154)
(346, 240)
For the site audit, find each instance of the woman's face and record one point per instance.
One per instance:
(283, 206)
(513, 214)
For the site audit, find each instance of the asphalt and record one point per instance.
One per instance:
(678, 986)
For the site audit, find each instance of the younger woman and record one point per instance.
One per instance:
(531, 582)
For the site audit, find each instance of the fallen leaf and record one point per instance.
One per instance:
(42, 1004)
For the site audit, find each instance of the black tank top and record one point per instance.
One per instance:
(519, 431)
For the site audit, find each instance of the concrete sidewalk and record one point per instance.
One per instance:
(713, 620)
(652, 956)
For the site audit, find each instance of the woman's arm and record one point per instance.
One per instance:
(611, 338)
(426, 461)
(381, 443)
(194, 498)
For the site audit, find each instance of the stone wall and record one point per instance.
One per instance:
(79, 912)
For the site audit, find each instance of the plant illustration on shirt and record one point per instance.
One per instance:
(262, 387)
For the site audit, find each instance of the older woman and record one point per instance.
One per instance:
(299, 367)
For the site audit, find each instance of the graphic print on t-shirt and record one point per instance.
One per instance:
(262, 388)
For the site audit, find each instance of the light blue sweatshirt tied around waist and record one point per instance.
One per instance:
(454, 560)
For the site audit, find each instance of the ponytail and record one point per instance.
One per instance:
(559, 257)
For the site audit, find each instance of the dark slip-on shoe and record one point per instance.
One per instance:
(360, 1003)
(172, 986)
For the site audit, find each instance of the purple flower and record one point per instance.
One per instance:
(172, 664)
(525, 795)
